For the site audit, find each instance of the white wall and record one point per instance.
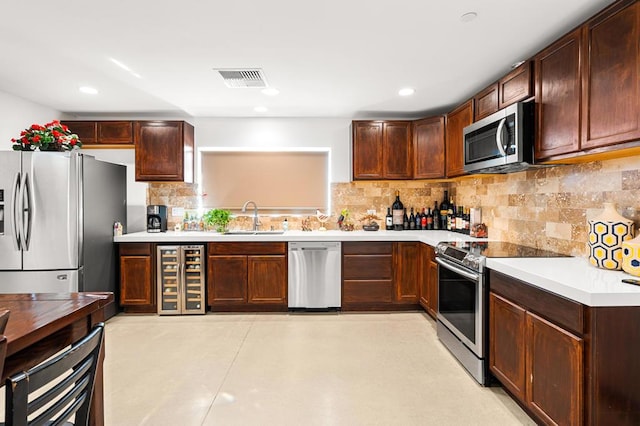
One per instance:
(17, 114)
(269, 133)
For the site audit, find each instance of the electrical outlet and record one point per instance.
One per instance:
(371, 211)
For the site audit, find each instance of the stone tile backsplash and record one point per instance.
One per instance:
(549, 207)
(543, 207)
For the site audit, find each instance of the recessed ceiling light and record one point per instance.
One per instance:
(88, 90)
(260, 109)
(469, 16)
(270, 91)
(407, 91)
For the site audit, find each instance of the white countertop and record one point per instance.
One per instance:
(573, 278)
(570, 277)
(429, 237)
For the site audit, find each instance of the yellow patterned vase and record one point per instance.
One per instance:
(606, 235)
(631, 256)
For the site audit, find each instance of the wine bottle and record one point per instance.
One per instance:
(388, 220)
(397, 212)
(405, 220)
(466, 221)
(419, 219)
(412, 220)
(444, 210)
(424, 220)
(451, 219)
(459, 220)
(436, 216)
(428, 219)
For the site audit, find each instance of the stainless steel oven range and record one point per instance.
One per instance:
(463, 293)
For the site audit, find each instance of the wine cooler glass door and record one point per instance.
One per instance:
(169, 279)
(193, 287)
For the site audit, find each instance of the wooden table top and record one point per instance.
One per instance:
(36, 315)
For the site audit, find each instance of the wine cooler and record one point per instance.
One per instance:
(181, 280)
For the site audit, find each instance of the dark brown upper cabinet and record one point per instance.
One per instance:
(513, 87)
(164, 151)
(588, 88)
(558, 91)
(457, 120)
(382, 150)
(428, 148)
(97, 134)
(486, 102)
(611, 76)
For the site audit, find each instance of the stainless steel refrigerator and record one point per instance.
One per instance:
(57, 212)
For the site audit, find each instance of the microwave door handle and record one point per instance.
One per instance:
(499, 141)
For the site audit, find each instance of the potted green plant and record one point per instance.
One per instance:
(218, 218)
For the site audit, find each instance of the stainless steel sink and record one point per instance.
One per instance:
(254, 233)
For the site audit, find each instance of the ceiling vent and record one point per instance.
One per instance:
(243, 78)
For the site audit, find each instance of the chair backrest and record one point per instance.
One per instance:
(4, 318)
(73, 372)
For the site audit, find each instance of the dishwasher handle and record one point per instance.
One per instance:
(313, 248)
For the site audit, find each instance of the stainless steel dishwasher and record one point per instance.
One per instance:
(314, 275)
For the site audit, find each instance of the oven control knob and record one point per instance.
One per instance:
(471, 261)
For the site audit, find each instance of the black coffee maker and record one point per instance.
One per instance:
(156, 218)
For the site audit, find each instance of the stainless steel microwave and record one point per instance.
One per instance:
(501, 142)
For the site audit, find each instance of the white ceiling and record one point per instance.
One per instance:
(328, 58)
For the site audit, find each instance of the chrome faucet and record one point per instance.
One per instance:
(256, 222)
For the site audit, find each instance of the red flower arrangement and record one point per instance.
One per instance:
(53, 136)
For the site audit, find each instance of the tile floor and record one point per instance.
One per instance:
(291, 369)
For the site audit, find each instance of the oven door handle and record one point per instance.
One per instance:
(457, 270)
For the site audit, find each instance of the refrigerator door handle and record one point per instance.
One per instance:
(28, 209)
(16, 207)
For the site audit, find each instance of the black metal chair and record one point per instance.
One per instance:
(72, 373)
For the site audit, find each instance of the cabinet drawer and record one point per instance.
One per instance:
(132, 249)
(367, 291)
(376, 267)
(247, 248)
(367, 248)
(564, 312)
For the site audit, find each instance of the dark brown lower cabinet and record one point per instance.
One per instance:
(267, 279)
(380, 275)
(428, 280)
(507, 345)
(538, 362)
(247, 277)
(137, 286)
(565, 362)
(367, 278)
(407, 270)
(555, 368)
(227, 279)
